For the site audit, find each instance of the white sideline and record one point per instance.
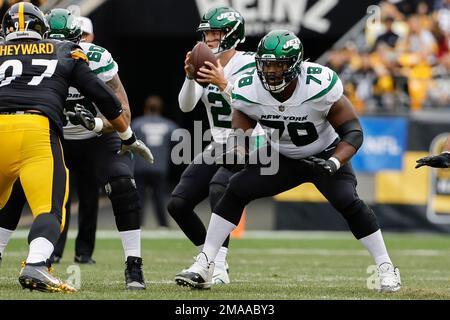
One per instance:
(249, 234)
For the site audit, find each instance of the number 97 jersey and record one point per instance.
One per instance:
(301, 121)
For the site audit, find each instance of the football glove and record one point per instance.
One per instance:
(235, 156)
(82, 116)
(136, 146)
(440, 161)
(325, 166)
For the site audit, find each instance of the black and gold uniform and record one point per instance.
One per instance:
(34, 80)
(35, 75)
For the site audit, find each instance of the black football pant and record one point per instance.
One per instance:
(93, 163)
(339, 189)
(197, 182)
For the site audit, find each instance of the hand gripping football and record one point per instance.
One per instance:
(199, 54)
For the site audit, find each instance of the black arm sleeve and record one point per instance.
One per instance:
(85, 80)
(351, 132)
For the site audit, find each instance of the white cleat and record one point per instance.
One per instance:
(389, 275)
(198, 275)
(220, 275)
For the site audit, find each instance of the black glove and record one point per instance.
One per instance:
(439, 161)
(235, 156)
(136, 146)
(82, 116)
(326, 166)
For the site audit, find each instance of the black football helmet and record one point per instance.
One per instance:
(24, 20)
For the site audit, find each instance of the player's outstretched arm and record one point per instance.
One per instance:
(438, 161)
(87, 82)
(116, 85)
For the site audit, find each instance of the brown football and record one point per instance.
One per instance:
(199, 54)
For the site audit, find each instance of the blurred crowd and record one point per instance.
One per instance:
(401, 62)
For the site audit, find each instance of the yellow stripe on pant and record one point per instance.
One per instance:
(29, 149)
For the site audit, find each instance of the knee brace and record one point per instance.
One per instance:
(361, 219)
(124, 196)
(216, 191)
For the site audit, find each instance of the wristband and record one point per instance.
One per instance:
(98, 125)
(127, 134)
(336, 162)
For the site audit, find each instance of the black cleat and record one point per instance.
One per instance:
(198, 275)
(134, 277)
(38, 276)
(84, 260)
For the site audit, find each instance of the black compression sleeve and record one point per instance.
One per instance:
(85, 80)
(351, 132)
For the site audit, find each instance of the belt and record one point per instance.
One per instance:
(36, 112)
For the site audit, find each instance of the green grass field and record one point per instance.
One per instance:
(274, 266)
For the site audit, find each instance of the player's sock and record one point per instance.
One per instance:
(221, 257)
(5, 235)
(40, 250)
(218, 230)
(374, 243)
(131, 243)
(200, 248)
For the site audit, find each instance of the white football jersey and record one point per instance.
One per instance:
(103, 64)
(217, 107)
(301, 120)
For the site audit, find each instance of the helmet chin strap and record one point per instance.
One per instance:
(278, 88)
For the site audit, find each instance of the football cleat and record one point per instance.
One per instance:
(198, 275)
(134, 277)
(221, 274)
(389, 275)
(83, 260)
(38, 276)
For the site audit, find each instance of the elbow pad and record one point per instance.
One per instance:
(351, 132)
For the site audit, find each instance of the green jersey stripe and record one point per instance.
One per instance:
(326, 90)
(239, 97)
(105, 68)
(248, 65)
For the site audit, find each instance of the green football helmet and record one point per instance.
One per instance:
(278, 59)
(24, 20)
(63, 25)
(227, 20)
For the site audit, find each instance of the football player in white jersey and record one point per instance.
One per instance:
(318, 132)
(222, 29)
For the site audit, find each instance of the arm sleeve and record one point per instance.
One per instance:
(87, 82)
(189, 95)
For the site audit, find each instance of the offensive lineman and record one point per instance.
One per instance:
(222, 29)
(318, 131)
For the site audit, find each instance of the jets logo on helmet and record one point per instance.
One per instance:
(231, 16)
(294, 43)
(278, 59)
(227, 20)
